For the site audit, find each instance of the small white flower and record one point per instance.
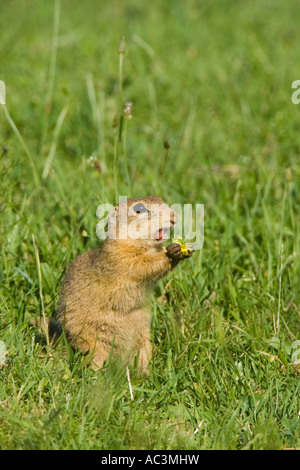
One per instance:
(128, 110)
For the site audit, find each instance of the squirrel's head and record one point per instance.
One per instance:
(143, 218)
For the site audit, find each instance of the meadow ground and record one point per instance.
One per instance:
(213, 79)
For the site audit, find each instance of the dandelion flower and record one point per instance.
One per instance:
(186, 248)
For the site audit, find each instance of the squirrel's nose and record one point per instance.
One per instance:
(173, 217)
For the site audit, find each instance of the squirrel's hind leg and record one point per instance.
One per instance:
(145, 354)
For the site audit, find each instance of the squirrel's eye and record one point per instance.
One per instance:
(140, 208)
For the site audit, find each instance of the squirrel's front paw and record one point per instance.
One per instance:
(177, 252)
(174, 251)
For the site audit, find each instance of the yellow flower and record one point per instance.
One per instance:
(66, 376)
(186, 248)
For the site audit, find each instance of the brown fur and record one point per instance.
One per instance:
(105, 295)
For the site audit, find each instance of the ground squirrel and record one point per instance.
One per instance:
(104, 302)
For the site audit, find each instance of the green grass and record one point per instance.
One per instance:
(214, 80)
